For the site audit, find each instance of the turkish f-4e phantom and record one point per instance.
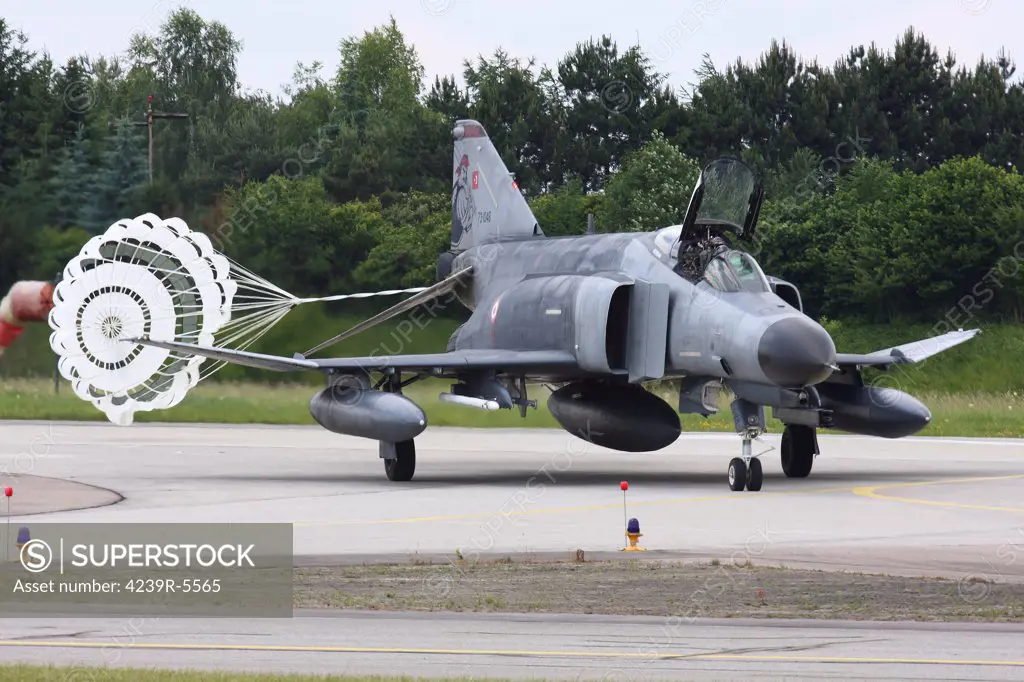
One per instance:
(598, 316)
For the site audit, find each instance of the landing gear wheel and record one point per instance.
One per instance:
(799, 445)
(737, 474)
(403, 465)
(755, 475)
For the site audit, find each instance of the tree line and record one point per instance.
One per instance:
(893, 190)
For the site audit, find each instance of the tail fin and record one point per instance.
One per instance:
(486, 202)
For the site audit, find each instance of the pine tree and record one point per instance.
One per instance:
(73, 183)
(121, 176)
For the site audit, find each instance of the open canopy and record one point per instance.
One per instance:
(726, 198)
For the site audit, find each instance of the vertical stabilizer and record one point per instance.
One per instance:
(486, 202)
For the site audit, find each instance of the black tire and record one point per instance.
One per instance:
(755, 475)
(737, 474)
(403, 466)
(798, 450)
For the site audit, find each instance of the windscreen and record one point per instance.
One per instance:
(734, 271)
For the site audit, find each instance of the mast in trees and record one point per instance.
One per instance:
(150, 115)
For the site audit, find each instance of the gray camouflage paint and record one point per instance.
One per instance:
(530, 292)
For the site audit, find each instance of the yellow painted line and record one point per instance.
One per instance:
(854, 659)
(872, 492)
(739, 496)
(296, 648)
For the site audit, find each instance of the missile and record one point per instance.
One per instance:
(469, 401)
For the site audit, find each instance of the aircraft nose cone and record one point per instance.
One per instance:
(796, 352)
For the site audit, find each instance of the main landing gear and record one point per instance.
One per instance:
(799, 447)
(399, 459)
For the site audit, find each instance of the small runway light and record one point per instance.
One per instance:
(23, 538)
(634, 535)
(632, 525)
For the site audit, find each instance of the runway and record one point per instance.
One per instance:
(940, 507)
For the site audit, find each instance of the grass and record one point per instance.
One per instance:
(989, 415)
(671, 589)
(624, 585)
(737, 587)
(38, 673)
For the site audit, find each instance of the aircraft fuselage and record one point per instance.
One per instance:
(576, 293)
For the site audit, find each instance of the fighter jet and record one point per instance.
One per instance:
(599, 316)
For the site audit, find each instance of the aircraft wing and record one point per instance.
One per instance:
(437, 363)
(908, 352)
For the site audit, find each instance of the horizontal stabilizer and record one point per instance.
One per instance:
(908, 353)
(437, 363)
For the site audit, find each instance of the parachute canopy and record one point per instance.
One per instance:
(159, 279)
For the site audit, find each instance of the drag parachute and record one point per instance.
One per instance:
(156, 278)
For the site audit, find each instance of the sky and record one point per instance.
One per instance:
(276, 34)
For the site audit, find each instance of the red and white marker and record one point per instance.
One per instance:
(25, 302)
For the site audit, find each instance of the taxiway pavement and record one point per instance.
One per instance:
(931, 506)
(941, 507)
(552, 647)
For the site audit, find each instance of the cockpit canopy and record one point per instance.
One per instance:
(726, 198)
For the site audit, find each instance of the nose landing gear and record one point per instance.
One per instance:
(745, 472)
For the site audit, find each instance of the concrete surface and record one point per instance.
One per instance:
(528, 647)
(41, 495)
(943, 507)
(933, 506)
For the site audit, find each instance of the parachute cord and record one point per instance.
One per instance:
(220, 364)
(341, 297)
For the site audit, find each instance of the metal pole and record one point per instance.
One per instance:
(625, 518)
(150, 116)
(149, 124)
(56, 359)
